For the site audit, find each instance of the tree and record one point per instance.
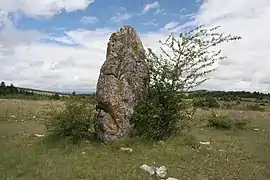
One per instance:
(3, 84)
(56, 96)
(183, 64)
(186, 60)
(73, 93)
(13, 90)
(3, 88)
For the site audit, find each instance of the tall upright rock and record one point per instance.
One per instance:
(123, 80)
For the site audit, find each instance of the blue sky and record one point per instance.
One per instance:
(104, 10)
(112, 14)
(61, 44)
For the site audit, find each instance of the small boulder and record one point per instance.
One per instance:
(126, 149)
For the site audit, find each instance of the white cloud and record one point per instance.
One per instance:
(151, 23)
(119, 18)
(89, 19)
(248, 59)
(10, 36)
(171, 25)
(148, 7)
(44, 8)
(24, 53)
(159, 11)
(61, 67)
(121, 9)
(56, 66)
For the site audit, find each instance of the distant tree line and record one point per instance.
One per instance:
(12, 91)
(230, 95)
(6, 90)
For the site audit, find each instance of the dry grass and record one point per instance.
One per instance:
(232, 154)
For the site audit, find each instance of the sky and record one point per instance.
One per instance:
(60, 45)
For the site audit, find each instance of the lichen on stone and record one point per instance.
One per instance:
(117, 94)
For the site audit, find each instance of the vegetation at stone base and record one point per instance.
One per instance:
(183, 64)
(230, 155)
(73, 120)
(160, 115)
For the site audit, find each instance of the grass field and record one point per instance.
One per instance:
(231, 155)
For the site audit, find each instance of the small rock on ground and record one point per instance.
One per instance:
(126, 149)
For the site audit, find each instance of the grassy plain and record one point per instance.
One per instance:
(232, 154)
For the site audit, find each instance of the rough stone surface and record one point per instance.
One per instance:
(122, 82)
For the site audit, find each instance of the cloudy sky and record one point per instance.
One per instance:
(61, 44)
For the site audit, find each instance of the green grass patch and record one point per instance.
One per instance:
(230, 155)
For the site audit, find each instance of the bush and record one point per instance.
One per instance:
(206, 102)
(241, 124)
(254, 107)
(182, 65)
(159, 115)
(221, 121)
(56, 96)
(227, 106)
(73, 120)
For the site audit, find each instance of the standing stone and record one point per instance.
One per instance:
(122, 82)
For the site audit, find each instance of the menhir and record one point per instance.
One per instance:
(123, 80)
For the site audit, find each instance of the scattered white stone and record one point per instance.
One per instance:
(204, 143)
(256, 129)
(34, 117)
(39, 135)
(170, 178)
(126, 149)
(83, 152)
(161, 142)
(161, 171)
(13, 116)
(149, 169)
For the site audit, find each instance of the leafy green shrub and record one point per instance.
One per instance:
(221, 121)
(254, 107)
(206, 102)
(74, 120)
(227, 106)
(241, 124)
(56, 96)
(178, 68)
(159, 115)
